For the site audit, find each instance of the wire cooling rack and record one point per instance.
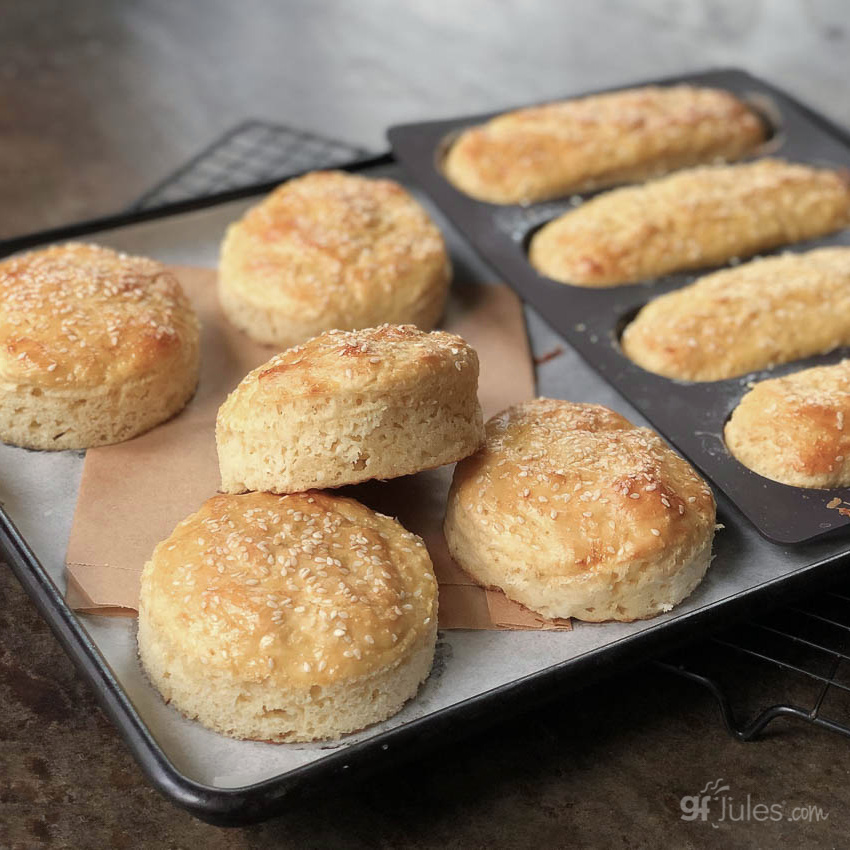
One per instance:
(251, 153)
(792, 662)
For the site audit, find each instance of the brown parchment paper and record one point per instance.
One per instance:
(134, 493)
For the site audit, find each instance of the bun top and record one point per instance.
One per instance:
(582, 480)
(307, 587)
(81, 315)
(335, 242)
(542, 151)
(792, 429)
(697, 217)
(752, 316)
(350, 362)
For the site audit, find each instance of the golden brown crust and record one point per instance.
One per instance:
(756, 315)
(332, 250)
(308, 588)
(288, 618)
(567, 502)
(570, 146)
(348, 406)
(701, 217)
(95, 347)
(792, 429)
(357, 361)
(81, 316)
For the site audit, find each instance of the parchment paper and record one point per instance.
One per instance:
(134, 493)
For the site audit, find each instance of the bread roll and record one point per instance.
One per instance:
(620, 137)
(792, 430)
(288, 618)
(693, 219)
(332, 250)
(751, 317)
(348, 406)
(574, 512)
(95, 347)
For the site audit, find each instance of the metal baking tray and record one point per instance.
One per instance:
(690, 415)
(478, 676)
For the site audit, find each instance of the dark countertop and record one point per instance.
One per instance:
(98, 102)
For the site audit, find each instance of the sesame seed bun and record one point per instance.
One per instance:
(696, 218)
(288, 618)
(332, 250)
(626, 136)
(348, 406)
(792, 429)
(756, 315)
(575, 512)
(95, 347)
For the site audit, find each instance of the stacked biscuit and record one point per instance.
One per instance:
(308, 612)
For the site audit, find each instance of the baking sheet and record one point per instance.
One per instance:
(690, 415)
(39, 490)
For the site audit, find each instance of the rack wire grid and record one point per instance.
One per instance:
(251, 153)
(792, 662)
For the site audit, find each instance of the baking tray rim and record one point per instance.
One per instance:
(257, 801)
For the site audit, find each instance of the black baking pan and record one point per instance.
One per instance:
(750, 572)
(690, 415)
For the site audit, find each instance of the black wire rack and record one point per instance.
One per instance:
(790, 662)
(251, 153)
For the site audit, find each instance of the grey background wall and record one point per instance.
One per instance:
(98, 100)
